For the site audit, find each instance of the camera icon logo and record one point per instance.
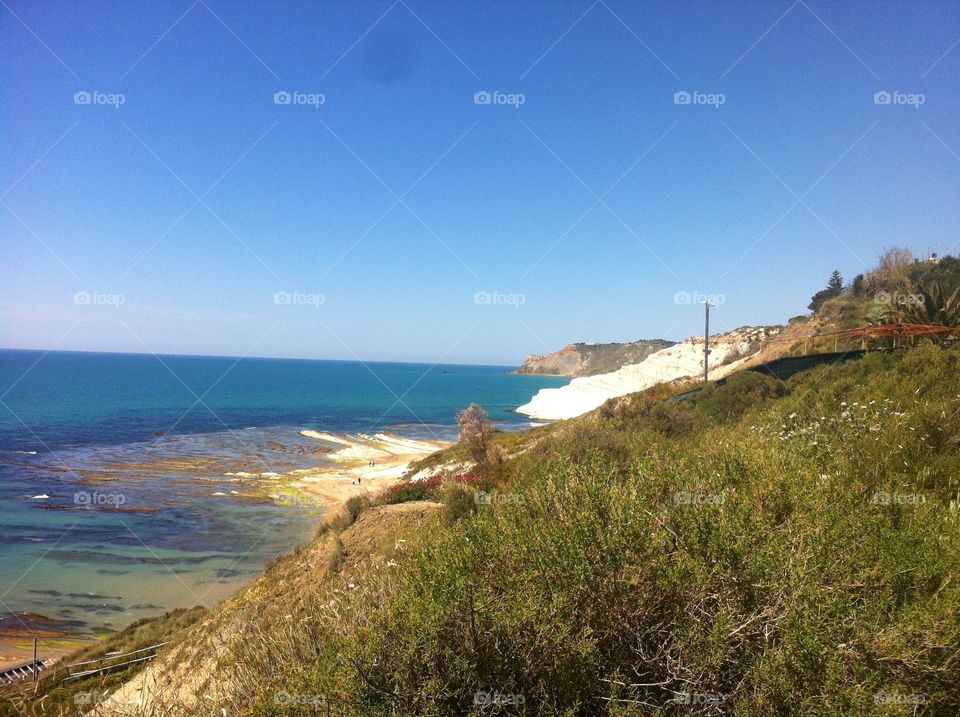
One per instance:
(282, 297)
(681, 297)
(482, 297)
(682, 97)
(882, 98)
(482, 97)
(82, 98)
(82, 298)
(281, 98)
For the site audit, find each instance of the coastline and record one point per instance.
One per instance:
(363, 464)
(728, 353)
(357, 464)
(17, 631)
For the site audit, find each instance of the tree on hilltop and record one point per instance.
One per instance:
(859, 285)
(835, 284)
(833, 290)
(892, 273)
(475, 429)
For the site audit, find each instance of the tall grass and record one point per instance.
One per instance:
(766, 549)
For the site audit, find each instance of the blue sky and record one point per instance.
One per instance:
(183, 219)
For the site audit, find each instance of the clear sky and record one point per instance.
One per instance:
(177, 208)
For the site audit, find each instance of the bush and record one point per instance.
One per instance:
(671, 419)
(432, 488)
(407, 491)
(348, 513)
(740, 393)
(458, 501)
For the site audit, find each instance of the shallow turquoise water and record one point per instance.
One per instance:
(133, 454)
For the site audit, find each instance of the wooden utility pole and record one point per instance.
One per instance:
(706, 339)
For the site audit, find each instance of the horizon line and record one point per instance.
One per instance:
(258, 358)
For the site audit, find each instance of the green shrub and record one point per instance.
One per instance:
(740, 393)
(458, 502)
(671, 419)
(432, 488)
(348, 513)
(797, 553)
(407, 491)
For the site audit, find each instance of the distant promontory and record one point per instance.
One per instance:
(583, 359)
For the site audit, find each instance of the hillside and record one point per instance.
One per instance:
(769, 548)
(766, 548)
(583, 359)
(220, 656)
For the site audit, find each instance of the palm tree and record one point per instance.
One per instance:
(930, 305)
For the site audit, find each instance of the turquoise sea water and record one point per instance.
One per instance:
(116, 494)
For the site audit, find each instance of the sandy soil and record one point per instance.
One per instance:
(363, 464)
(16, 639)
(199, 673)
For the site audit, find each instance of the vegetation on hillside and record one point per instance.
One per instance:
(761, 548)
(583, 359)
(900, 289)
(57, 696)
(765, 549)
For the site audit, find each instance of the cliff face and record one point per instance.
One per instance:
(728, 352)
(591, 359)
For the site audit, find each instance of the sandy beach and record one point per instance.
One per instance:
(18, 630)
(363, 464)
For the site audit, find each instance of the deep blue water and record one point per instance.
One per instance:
(74, 399)
(134, 454)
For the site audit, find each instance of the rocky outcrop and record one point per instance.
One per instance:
(683, 360)
(584, 359)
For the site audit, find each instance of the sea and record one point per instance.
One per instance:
(128, 482)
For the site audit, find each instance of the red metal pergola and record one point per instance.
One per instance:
(898, 332)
